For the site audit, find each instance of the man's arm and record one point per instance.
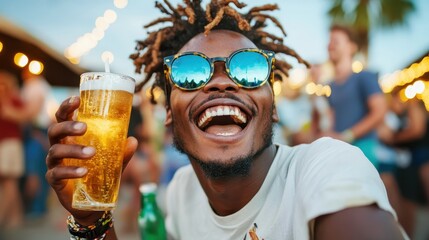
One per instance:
(377, 108)
(366, 222)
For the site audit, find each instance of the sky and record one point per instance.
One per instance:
(61, 23)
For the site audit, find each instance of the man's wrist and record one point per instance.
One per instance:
(348, 136)
(89, 219)
(96, 231)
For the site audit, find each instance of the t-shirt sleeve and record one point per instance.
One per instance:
(337, 176)
(369, 84)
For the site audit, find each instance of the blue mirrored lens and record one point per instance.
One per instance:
(249, 69)
(190, 71)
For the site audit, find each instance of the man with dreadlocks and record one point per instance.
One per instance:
(216, 67)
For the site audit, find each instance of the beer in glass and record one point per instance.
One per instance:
(105, 106)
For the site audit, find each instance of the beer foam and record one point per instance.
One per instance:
(107, 81)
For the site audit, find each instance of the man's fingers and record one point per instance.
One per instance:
(58, 177)
(66, 109)
(130, 149)
(61, 173)
(58, 152)
(58, 131)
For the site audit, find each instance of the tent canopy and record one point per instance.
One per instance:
(58, 71)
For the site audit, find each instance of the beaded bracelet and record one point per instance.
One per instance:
(97, 231)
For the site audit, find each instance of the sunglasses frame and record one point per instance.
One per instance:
(269, 56)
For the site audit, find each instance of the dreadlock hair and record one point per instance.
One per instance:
(191, 19)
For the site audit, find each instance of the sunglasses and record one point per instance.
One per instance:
(248, 68)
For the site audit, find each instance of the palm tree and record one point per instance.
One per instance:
(363, 15)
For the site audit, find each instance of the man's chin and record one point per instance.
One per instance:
(218, 168)
(221, 169)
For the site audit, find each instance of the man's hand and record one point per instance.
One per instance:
(58, 174)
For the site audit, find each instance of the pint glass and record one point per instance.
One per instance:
(105, 106)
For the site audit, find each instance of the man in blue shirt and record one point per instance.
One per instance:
(357, 101)
(359, 107)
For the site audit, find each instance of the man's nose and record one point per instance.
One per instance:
(220, 80)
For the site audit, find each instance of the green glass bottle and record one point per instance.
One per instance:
(150, 220)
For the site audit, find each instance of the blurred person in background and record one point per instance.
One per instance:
(294, 110)
(316, 114)
(321, 114)
(411, 133)
(358, 105)
(144, 166)
(36, 94)
(322, 118)
(172, 160)
(11, 153)
(389, 158)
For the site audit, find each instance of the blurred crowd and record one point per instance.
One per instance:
(24, 121)
(391, 130)
(393, 134)
(25, 116)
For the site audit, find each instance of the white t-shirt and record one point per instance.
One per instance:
(303, 182)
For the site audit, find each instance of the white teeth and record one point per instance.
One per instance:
(235, 112)
(227, 111)
(224, 134)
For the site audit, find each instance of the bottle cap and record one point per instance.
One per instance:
(148, 187)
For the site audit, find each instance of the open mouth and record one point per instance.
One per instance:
(222, 120)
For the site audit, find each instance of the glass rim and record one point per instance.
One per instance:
(107, 73)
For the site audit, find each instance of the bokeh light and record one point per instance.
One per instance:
(410, 92)
(110, 16)
(101, 23)
(107, 56)
(20, 59)
(419, 86)
(120, 3)
(35, 67)
(357, 66)
(277, 88)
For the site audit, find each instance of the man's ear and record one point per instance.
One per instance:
(275, 116)
(168, 119)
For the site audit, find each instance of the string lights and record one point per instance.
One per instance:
(414, 87)
(20, 59)
(405, 76)
(88, 41)
(318, 89)
(82, 45)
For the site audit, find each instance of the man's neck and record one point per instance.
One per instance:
(227, 196)
(343, 70)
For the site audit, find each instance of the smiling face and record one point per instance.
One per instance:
(221, 126)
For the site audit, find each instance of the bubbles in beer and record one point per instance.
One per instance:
(106, 131)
